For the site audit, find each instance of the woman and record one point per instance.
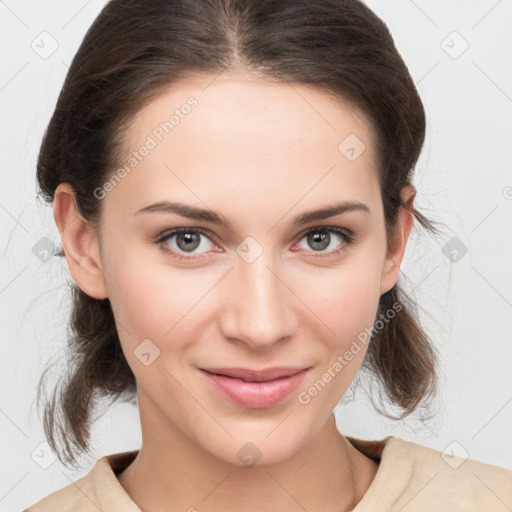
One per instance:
(277, 140)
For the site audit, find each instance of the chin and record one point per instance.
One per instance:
(257, 447)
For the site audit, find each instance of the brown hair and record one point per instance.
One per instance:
(137, 48)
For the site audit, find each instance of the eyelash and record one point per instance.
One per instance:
(346, 235)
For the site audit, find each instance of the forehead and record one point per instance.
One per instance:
(233, 107)
(248, 138)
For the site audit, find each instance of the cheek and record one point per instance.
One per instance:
(345, 298)
(347, 306)
(351, 315)
(149, 299)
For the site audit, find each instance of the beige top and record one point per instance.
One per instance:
(410, 477)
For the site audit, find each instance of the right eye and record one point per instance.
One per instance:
(185, 240)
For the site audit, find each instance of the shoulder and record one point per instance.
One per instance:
(97, 490)
(447, 481)
(77, 496)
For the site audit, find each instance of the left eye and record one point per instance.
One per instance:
(321, 238)
(187, 240)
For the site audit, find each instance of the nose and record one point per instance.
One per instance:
(259, 312)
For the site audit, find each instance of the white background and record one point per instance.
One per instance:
(464, 179)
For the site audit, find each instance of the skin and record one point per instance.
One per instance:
(259, 153)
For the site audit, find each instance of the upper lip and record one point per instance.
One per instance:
(250, 375)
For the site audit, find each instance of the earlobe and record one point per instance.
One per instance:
(398, 240)
(80, 243)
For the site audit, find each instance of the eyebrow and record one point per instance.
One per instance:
(192, 212)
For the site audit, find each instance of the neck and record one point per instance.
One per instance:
(172, 473)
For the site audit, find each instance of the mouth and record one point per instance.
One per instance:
(255, 388)
(249, 375)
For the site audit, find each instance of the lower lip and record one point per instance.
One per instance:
(256, 394)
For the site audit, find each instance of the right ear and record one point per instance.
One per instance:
(79, 242)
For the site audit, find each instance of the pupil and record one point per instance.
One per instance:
(189, 241)
(321, 238)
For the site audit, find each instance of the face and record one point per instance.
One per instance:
(258, 283)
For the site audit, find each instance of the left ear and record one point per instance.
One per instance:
(398, 240)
